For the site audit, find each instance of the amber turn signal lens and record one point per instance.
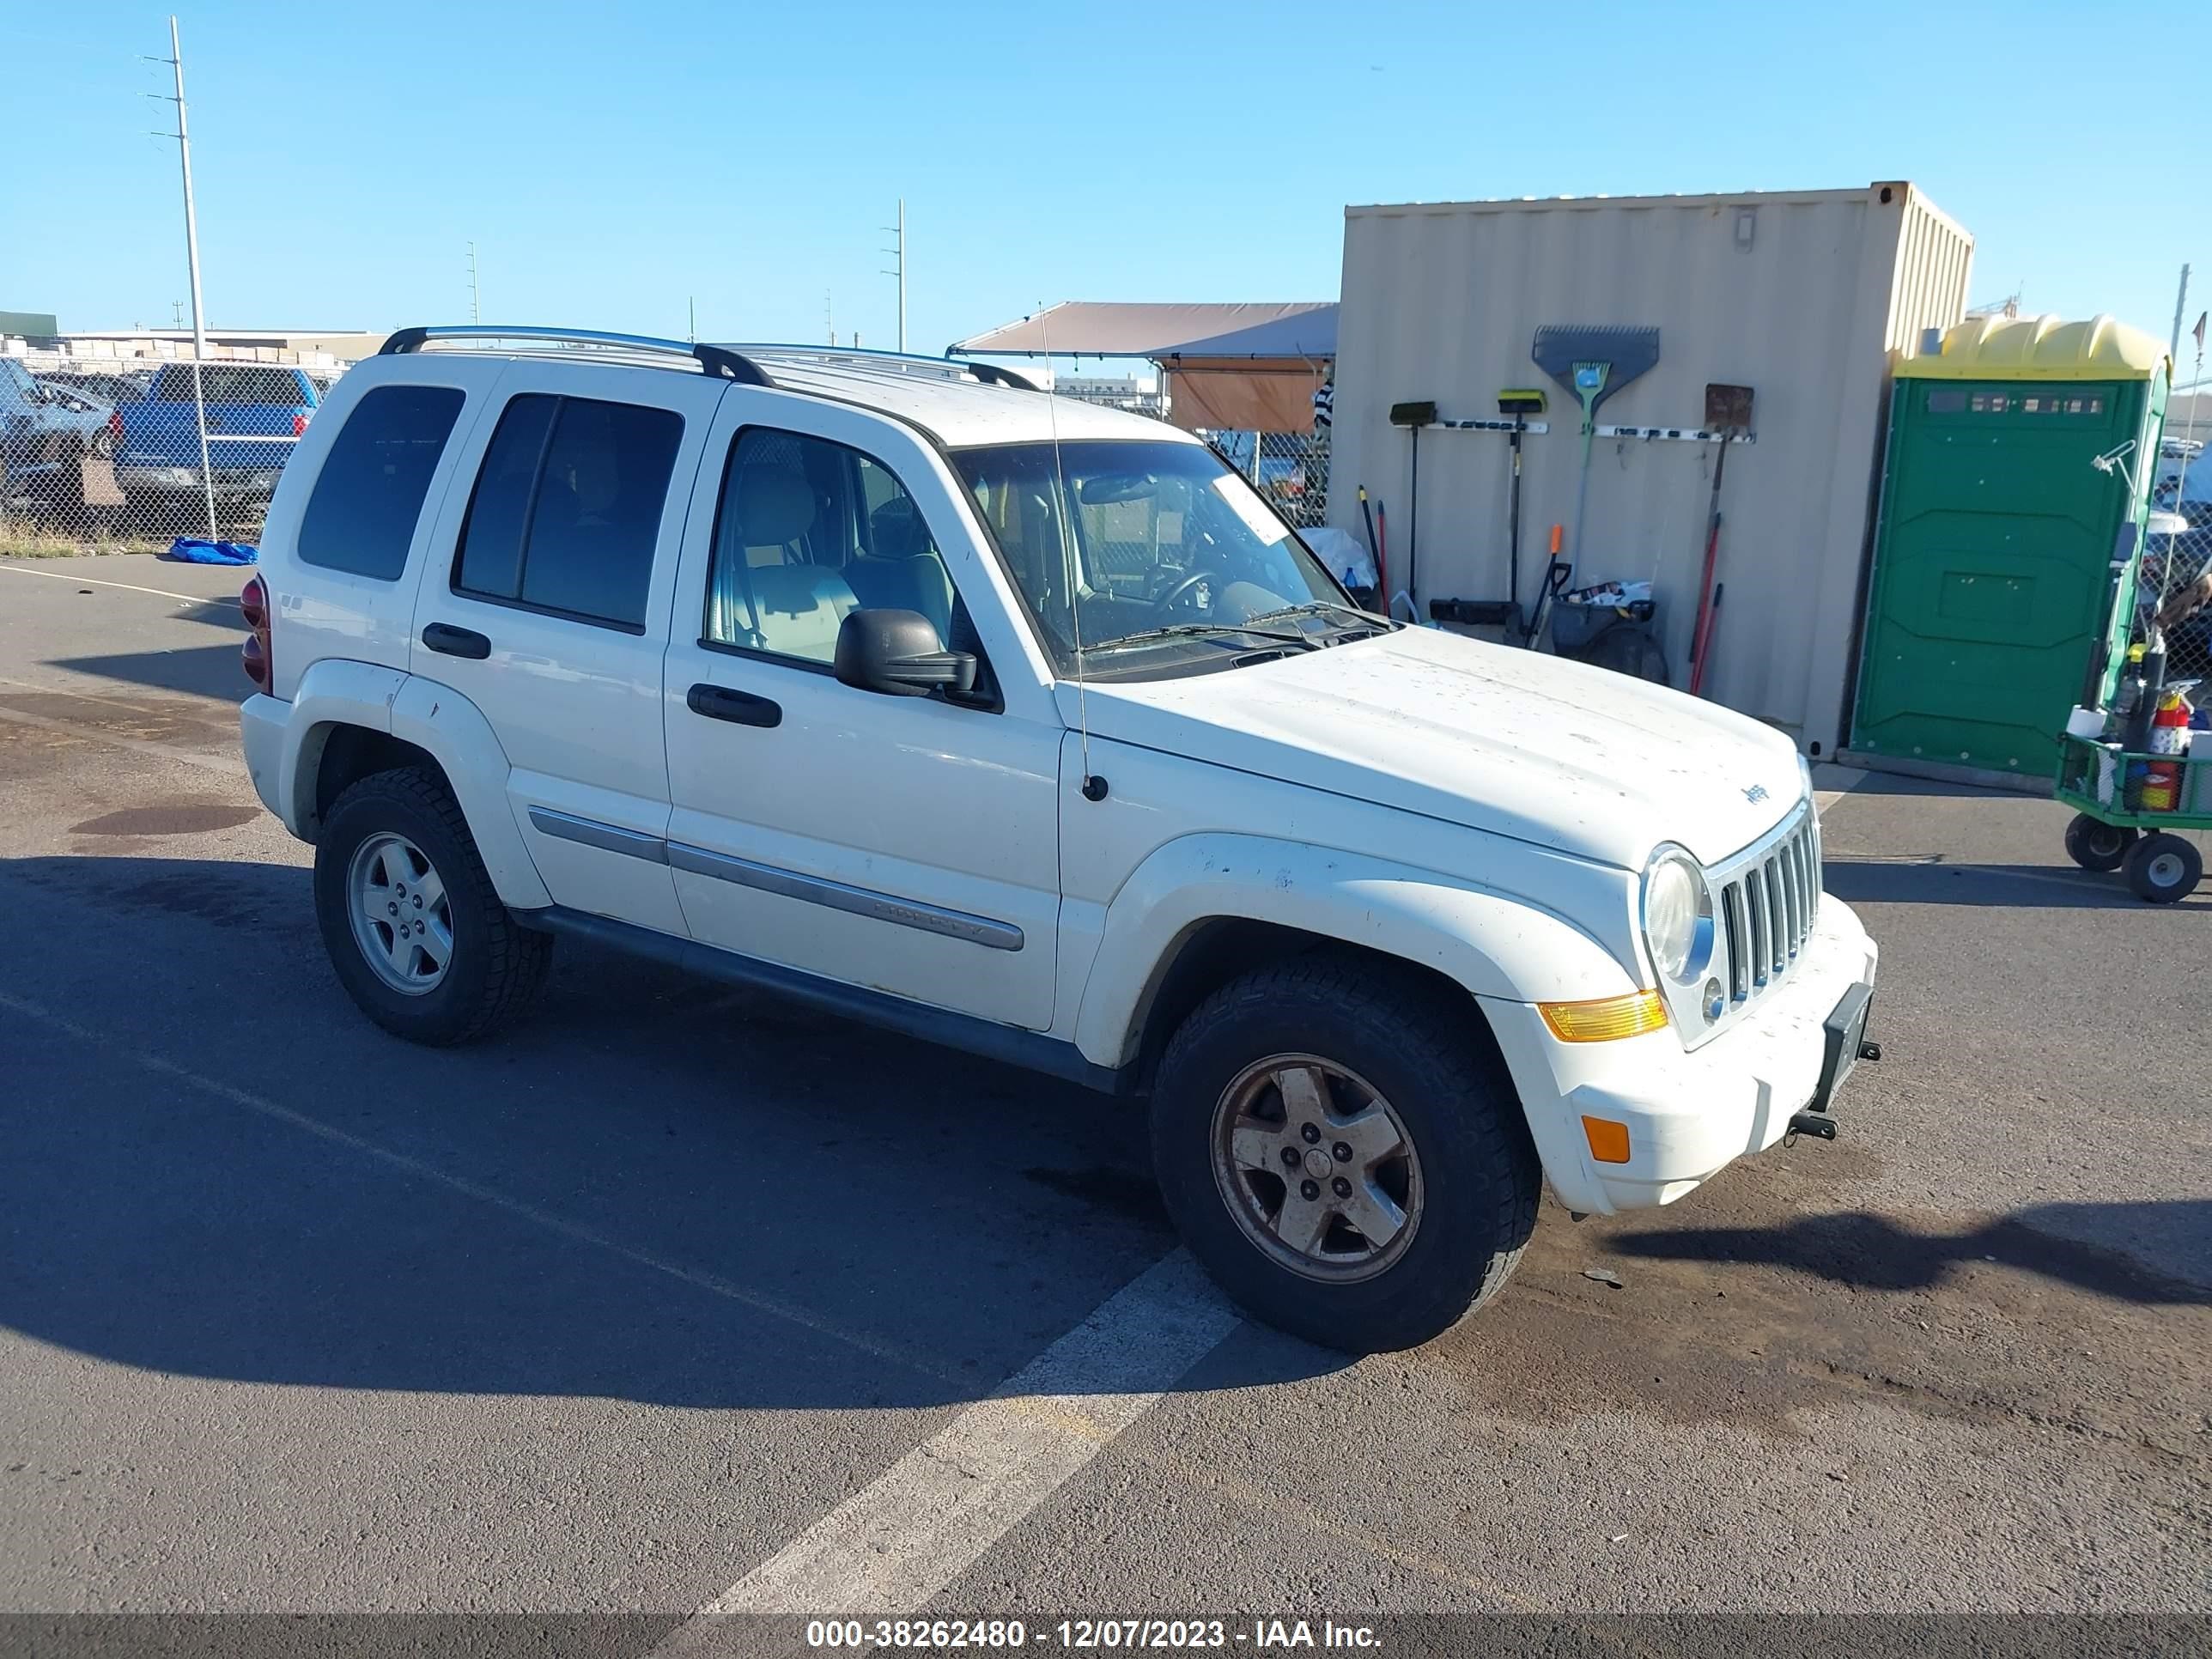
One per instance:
(1609, 1141)
(1605, 1019)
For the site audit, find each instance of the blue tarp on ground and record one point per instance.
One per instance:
(198, 550)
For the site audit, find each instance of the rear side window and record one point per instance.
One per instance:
(568, 508)
(231, 383)
(369, 493)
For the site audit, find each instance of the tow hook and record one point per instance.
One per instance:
(1818, 1125)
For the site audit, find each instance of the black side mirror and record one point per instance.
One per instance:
(898, 652)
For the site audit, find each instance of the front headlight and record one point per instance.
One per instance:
(1678, 915)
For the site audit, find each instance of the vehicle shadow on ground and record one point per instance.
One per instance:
(203, 671)
(1871, 1252)
(654, 1189)
(2005, 886)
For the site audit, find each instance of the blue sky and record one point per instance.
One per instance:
(610, 162)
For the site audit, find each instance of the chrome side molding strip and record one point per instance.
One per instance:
(992, 935)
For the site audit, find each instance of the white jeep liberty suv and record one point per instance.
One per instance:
(896, 685)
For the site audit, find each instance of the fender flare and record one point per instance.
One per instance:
(1490, 942)
(435, 719)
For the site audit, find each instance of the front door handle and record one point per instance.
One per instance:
(719, 702)
(451, 642)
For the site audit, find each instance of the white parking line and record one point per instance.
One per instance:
(131, 587)
(893, 1546)
(875, 1348)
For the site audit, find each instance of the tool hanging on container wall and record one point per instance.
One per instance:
(1555, 575)
(1727, 412)
(1374, 547)
(1519, 403)
(1593, 362)
(1413, 417)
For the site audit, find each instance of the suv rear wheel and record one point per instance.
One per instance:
(413, 926)
(1346, 1161)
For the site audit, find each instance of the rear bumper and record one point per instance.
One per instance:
(1689, 1115)
(263, 725)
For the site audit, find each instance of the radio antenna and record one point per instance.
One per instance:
(1094, 787)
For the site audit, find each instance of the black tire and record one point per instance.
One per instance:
(2095, 845)
(1479, 1170)
(2164, 868)
(497, 965)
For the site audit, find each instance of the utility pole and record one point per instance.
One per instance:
(693, 301)
(828, 318)
(183, 136)
(899, 253)
(475, 314)
(2180, 305)
(176, 314)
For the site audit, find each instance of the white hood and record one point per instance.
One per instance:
(1545, 750)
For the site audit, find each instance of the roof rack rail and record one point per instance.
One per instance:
(867, 357)
(712, 360)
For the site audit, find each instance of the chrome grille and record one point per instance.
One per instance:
(1767, 906)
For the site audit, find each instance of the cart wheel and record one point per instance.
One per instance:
(2163, 868)
(2095, 845)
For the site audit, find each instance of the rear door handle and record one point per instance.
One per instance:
(452, 641)
(719, 702)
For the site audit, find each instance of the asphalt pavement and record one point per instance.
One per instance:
(675, 1298)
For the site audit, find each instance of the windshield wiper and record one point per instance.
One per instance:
(1312, 607)
(1193, 631)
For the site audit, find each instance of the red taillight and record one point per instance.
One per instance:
(115, 424)
(298, 425)
(256, 656)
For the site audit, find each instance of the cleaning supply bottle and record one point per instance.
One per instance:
(2148, 668)
(2128, 694)
(2169, 727)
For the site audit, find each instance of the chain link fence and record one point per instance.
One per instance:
(124, 454)
(1291, 469)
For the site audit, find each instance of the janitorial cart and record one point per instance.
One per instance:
(2136, 766)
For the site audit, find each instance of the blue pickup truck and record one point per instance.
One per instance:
(255, 414)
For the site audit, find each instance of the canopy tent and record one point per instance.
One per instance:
(1257, 379)
(1230, 368)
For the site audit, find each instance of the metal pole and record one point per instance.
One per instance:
(192, 255)
(475, 315)
(901, 240)
(2180, 305)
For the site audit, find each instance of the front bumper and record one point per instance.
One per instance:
(1689, 1114)
(230, 482)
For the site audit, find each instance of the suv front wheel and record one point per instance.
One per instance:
(414, 927)
(1344, 1158)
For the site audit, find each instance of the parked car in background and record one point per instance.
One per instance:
(45, 429)
(255, 414)
(114, 388)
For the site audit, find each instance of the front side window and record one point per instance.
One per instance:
(362, 515)
(807, 531)
(1142, 555)
(566, 509)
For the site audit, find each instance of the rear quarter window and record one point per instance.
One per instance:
(232, 383)
(566, 508)
(361, 517)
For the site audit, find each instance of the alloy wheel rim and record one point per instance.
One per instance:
(402, 920)
(1316, 1167)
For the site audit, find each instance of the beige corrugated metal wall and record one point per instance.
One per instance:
(1443, 302)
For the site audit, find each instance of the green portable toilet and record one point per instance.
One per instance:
(1992, 560)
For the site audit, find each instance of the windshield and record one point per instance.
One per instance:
(1154, 554)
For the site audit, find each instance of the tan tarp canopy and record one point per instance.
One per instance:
(1228, 367)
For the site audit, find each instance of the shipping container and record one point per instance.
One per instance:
(1806, 297)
